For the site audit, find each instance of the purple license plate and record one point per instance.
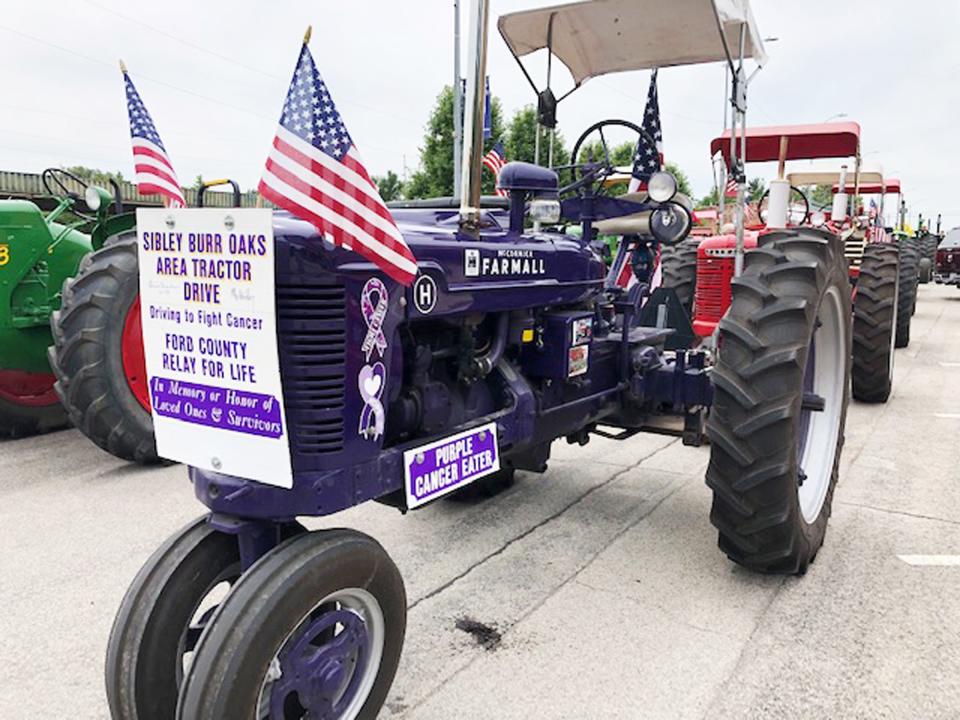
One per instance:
(437, 468)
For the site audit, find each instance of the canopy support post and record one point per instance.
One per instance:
(457, 105)
(739, 98)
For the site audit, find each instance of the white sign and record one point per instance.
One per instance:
(210, 340)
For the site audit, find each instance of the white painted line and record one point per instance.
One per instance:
(948, 416)
(931, 560)
(950, 364)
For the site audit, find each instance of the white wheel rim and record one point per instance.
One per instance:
(819, 452)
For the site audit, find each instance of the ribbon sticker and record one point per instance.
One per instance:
(373, 315)
(371, 381)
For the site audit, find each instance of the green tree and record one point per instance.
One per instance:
(94, 176)
(521, 138)
(434, 177)
(198, 182)
(755, 190)
(821, 196)
(389, 186)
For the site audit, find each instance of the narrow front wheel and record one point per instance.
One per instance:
(313, 630)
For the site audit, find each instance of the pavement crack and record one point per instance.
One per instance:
(735, 670)
(904, 513)
(571, 578)
(532, 529)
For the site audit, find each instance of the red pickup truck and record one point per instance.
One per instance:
(947, 269)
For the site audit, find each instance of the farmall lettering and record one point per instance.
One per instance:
(508, 261)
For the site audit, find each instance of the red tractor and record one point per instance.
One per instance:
(703, 271)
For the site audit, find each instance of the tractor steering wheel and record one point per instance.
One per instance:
(55, 176)
(792, 214)
(596, 172)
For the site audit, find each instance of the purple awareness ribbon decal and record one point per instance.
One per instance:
(371, 381)
(373, 315)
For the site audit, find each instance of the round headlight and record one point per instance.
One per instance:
(92, 198)
(545, 210)
(818, 219)
(662, 187)
(670, 224)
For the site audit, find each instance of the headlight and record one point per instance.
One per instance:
(92, 198)
(818, 219)
(545, 210)
(670, 224)
(662, 187)
(96, 198)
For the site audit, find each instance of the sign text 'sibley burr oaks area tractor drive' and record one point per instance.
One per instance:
(508, 339)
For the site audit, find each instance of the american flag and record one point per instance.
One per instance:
(648, 160)
(732, 188)
(315, 172)
(494, 162)
(153, 171)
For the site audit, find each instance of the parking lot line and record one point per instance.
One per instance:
(931, 560)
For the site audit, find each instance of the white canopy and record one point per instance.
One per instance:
(603, 36)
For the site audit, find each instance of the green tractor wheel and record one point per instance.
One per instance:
(98, 353)
(29, 404)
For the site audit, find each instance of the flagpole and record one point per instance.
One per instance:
(457, 106)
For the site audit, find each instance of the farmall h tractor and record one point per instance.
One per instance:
(703, 269)
(38, 252)
(313, 623)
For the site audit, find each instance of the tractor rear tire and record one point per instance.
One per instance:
(785, 346)
(679, 267)
(925, 270)
(87, 358)
(907, 294)
(875, 323)
(17, 421)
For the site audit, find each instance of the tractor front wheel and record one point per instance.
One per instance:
(679, 267)
(313, 629)
(98, 353)
(907, 293)
(29, 404)
(781, 385)
(875, 322)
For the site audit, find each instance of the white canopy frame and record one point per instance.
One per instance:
(596, 37)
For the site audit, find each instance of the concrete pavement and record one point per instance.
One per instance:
(600, 582)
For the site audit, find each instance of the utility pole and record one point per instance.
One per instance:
(457, 105)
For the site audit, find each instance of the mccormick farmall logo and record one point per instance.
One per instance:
(374, 302)
(509, 261)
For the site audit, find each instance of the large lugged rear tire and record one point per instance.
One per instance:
(679, 266)
(907, 294)
(87, 356)
(785, 347)
(874, 323)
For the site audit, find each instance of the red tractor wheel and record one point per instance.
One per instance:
(98, 353)
(29, 404)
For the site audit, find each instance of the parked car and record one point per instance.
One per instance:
(947, 269)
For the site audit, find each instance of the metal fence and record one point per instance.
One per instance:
(29, 186)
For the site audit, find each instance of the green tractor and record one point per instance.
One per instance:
(38, 253)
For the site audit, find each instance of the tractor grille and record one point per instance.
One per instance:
(853, 249)
(312, 333)
(713, 287)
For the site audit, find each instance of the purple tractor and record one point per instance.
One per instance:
(509, 339)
